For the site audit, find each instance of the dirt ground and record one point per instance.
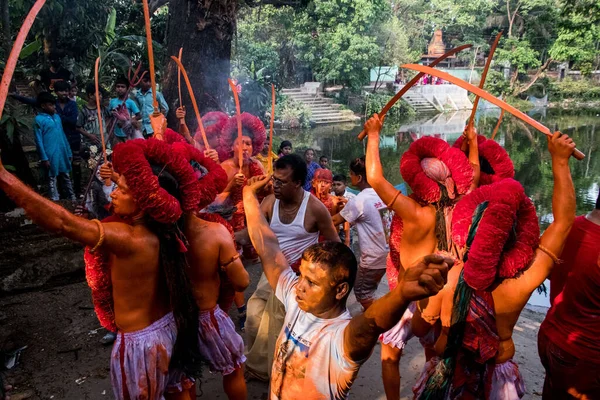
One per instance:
(64, 359)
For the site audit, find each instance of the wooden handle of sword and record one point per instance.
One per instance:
(578, 154)
(362, 134)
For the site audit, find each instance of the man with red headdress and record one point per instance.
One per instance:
(321, 188)
(135, 266)
(252, 140)
(501, 262)
(437, 175)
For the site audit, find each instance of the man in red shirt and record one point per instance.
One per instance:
(568, 340)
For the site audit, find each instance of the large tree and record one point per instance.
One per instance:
(205, 29)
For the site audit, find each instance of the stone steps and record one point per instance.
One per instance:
(324, 110)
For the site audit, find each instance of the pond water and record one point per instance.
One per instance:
(526, 147)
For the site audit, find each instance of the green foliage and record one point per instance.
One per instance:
(375, 102)
(496, 84)
(291, 113)
(519, 53)
(583, 89)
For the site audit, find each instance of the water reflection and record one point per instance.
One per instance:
(526, 146)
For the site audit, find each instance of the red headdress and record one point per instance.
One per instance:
(213, 122)
(170, 136)
(483, 221)
(251, 126)
(132, 160)
(494, 160)
(424, 149)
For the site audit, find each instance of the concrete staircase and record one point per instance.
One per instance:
(324, 110)
(419, 103)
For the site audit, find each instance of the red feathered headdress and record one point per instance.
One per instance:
(213, 122)
(132, 160)
(210, 183)
(429, 147)
(251, 126)
(170, 136)
(482, 224)
(494, 160)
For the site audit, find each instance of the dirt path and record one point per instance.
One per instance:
(64, 359)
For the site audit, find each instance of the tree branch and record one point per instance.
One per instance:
(535, 77)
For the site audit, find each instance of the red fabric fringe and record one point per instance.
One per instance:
(495, 155)
(488, 259)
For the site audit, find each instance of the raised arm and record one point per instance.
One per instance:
(426, 278)
(408, 209)
(263, 239)
(473, 155)
(563, 209)
(54, 218)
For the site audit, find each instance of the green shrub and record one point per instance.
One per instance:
(375, 102)
(583, 89)
(291, 113)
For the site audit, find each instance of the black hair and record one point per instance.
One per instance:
(337, 257)
(186, 355)
(45, 98)
(323, 157)
(598, 202)
(358, 167)
(60, 86)
(296, 163)
(340, 178)
(285, 143)
(122, 81)
(145, 75)
(90, 89)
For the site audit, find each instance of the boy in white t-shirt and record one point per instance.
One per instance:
(369, 214)
(321, 347)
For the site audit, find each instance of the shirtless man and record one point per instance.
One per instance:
(499, 301)
(417, 219)
(143, 285)
(297, 218)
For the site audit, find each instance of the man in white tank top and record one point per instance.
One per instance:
(297, 218)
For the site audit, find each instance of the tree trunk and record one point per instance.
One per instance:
(6, 27)
(204, 28)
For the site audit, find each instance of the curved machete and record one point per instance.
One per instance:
(412, 82)
(486, 96)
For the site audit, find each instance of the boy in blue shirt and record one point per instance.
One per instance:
(53, 147)
(122, 89)
(144, 98)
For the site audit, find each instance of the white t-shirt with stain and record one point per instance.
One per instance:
(309, 361)
(369, 213)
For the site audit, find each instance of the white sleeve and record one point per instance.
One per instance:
(352, 211)
(286, 287)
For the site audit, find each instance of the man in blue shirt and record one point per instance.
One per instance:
(122, 89)
(53, 147)
(144, 98)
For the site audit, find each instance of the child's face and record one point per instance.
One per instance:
(62, 94)
(121, 89)
(91, 97)
(48, 108)
(145, 84)
(73, 92)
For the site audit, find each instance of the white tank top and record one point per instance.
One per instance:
(293, 238)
